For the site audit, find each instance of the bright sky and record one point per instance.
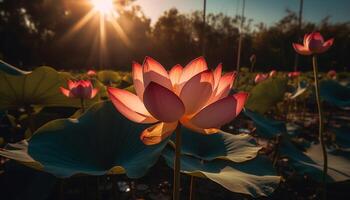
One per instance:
(267, 11)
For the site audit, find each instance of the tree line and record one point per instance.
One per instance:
(41, 32)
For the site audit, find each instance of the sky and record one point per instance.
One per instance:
(266, 11)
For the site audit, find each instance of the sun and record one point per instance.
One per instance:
(104, 7)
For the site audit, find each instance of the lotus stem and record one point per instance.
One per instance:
(82, 103)
(320, 130)
(191, 188)
(177, 164)
(252, 66)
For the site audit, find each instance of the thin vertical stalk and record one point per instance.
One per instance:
(300, 17)
(203, 28)
(320, 130)
(177, 164)
(240, 39)
(82, 104)
(191, 188)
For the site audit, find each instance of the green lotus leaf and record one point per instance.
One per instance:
(311, 162)
(266, 94)
(9, 69)
(255, 177)
(334, 93)
(267, 128)
(221, 145)
(109, 77)
(40, 87)
(100, 141)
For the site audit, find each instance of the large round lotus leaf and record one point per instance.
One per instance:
(99, 141)
(40, 87)
(222, 145)
(255, 177)
(9, 69)
(109, 77)
(334, 93)
(266, 94)
(267, 128)
(311, 162)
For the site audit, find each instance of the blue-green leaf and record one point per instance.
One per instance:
(100, 141)
(267, 128)
(221, 145)
(311, 162)
(9, 69)
(334, 93)
(255, 177)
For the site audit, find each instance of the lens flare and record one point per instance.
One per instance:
(104, 7)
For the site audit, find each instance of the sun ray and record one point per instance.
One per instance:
(80, 24)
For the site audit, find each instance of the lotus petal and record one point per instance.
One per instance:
(220, 112)
(162, 103)
(197, 91)
(153, 71)
(158, 132)
(193, 68)
(301, 49)
(130, 106)
(137, 77)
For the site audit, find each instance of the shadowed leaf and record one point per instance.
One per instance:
(255, 177)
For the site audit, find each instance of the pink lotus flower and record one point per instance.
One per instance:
(260, 77)
(79, 89)
(194, 96)
(294, 74)
(272, 73)
(91, 73)
(332, 74)
(313, 44)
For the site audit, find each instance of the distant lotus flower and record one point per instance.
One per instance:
(79, 89)
(294, 74)
(332, 74)
(91, 73)
(193, 96)
(313, 44)
(260, 77)
(272, 73)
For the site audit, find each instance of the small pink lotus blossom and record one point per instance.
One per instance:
(313, 44)
(193, 95)
(272, 73)
(79, 89)
(294, 74)
(91, 73)
(332, 74)
(260, 77)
